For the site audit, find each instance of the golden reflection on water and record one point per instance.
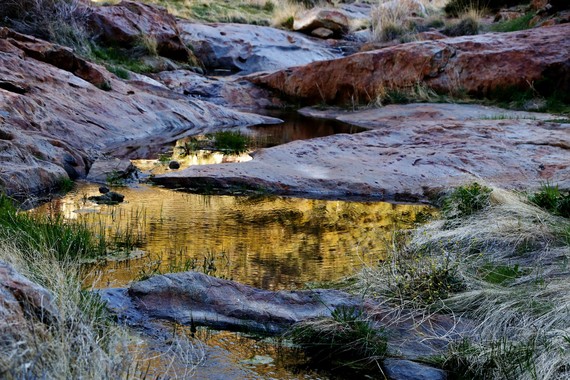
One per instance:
(266, 242)
(202, 157)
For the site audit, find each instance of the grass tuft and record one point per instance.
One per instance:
(347, 338)
(60, 21)
(80, 342)
(520, 23)
(231, 142)
(47, 234)
(465, 201)
(507, 273)
(552, 199)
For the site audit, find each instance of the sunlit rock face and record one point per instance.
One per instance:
(479, 65)
(125, 23)
(335, 21)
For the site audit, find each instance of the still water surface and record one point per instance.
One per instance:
(267, 242)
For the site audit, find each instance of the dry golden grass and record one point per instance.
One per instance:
(82, 342)
(285, 12)
(505, 269)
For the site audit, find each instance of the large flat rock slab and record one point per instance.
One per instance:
(412, 152)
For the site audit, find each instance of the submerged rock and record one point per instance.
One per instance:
(479, 65)
(397, 369)
(250, 48)
(174, 165)
(108, 198)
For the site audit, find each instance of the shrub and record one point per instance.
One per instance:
(520, 23)
(425, 278)
(500, 358)
(390, 32)
(188, 147)
(552, 199)
(61, 21)
(120, 72)
(118, 61)
(468, 26)
(231, 142)
(466, 200)
(500, 274)
(391, 20)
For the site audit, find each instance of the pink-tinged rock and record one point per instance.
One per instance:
(250, 48)
(538, 4)
(55, 120)
(232, 92)
(433, 35)
(412, 152)
(550, 6)
(128, 23)
(478, 65)
(333, 19)
(22, 300)
(52, 54)
(506, 15)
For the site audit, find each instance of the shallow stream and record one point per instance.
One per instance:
(267, 242)
(264, 241)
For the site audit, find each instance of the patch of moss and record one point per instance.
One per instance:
(119, 61)
(520, 23)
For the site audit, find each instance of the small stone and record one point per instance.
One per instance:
(116, 197)
(397, 369)
(109, 198)
(322, 33)
(174, 165)
(333, 19)
(258, 360)
(104, 189)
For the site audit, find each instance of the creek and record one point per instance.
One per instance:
(264, 241)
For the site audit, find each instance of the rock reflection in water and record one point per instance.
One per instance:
(266, 242)
(201, 157)
(297, 127)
